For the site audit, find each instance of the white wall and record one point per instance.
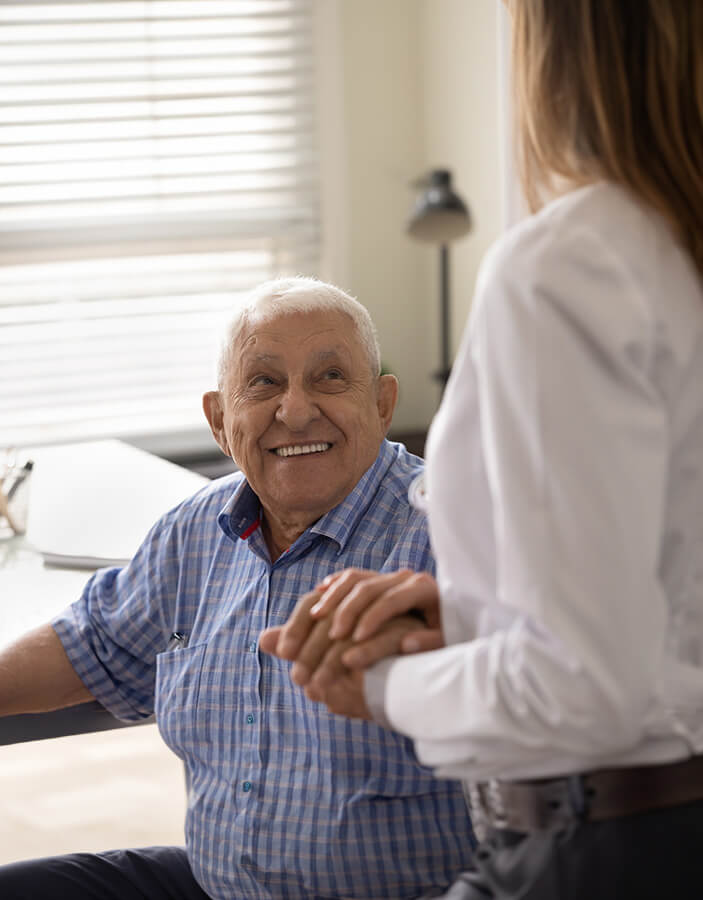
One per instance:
(419, 87)
(383, 135)
(462, 125)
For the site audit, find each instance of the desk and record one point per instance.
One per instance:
(30, 595)
(82, 480)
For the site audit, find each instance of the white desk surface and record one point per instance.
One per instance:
(30, 595)
(30, 592)
(70, 487)
(109, 474)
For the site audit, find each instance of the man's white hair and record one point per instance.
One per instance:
(283, 296)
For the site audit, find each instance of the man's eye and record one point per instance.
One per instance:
(261, 381)
(331, 381)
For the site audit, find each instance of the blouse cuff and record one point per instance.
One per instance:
(375, 690)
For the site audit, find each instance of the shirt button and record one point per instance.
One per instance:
(247, 786)
(250, 719)
(252, 647)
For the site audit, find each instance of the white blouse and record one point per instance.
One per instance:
(565, 485)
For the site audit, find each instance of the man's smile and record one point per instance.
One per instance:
(301, 449)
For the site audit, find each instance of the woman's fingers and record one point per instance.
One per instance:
(316, 606)
(356, 595)
(371, 615)
(387, 642)
(338, 588)
(415, 592)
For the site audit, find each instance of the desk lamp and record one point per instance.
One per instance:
(440, 216)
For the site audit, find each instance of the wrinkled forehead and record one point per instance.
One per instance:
(318, 335)
(294, 329)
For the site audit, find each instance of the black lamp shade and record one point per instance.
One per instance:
(440, 215)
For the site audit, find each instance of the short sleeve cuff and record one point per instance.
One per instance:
(91, 673)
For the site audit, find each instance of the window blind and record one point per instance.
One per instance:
(156, 160)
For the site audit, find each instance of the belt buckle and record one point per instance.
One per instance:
(526, 807)
(486, 807)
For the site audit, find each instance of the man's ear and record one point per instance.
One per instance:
(214, 413)
(387, 397)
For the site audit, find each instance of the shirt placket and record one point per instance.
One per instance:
(248, 784)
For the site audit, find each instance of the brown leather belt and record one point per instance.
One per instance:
(592, 797)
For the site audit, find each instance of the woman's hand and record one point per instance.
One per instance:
(360, 602)
(353, 607)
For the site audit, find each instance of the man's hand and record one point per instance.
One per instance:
(320, 664)
(344, 695)
(350, 621)
(339, 687)
(286, 640)
(322, 660)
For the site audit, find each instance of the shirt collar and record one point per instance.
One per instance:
(339, 523)
(241, 515)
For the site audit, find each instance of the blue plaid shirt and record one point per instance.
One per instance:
(285, 799)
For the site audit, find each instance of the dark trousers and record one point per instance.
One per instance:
(651, 856)
(150, 873)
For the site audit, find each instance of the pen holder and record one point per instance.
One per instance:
(14, 498)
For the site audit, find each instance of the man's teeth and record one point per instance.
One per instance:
(300, 449)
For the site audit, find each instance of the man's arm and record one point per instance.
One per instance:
(36, 675)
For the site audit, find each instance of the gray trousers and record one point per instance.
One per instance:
(655, 855)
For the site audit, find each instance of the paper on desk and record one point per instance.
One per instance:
(91, 504)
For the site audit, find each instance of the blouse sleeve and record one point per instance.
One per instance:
(574, 439)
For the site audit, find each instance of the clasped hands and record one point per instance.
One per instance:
(351, 620)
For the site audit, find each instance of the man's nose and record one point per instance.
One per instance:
(297, 408)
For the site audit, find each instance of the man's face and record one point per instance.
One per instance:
(301, 413)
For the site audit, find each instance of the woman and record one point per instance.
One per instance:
(565, 487)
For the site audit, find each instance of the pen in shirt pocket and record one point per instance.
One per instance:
(177, 641)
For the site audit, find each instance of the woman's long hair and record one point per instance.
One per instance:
(613, 89)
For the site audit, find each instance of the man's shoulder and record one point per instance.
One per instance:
(404, 468)
(207, 502)
(392, 533)
(391, 508)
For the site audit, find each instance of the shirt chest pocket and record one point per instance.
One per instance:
(179, 713)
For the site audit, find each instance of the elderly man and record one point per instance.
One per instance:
(285, 800)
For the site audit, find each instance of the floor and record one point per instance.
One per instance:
(120, 788)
